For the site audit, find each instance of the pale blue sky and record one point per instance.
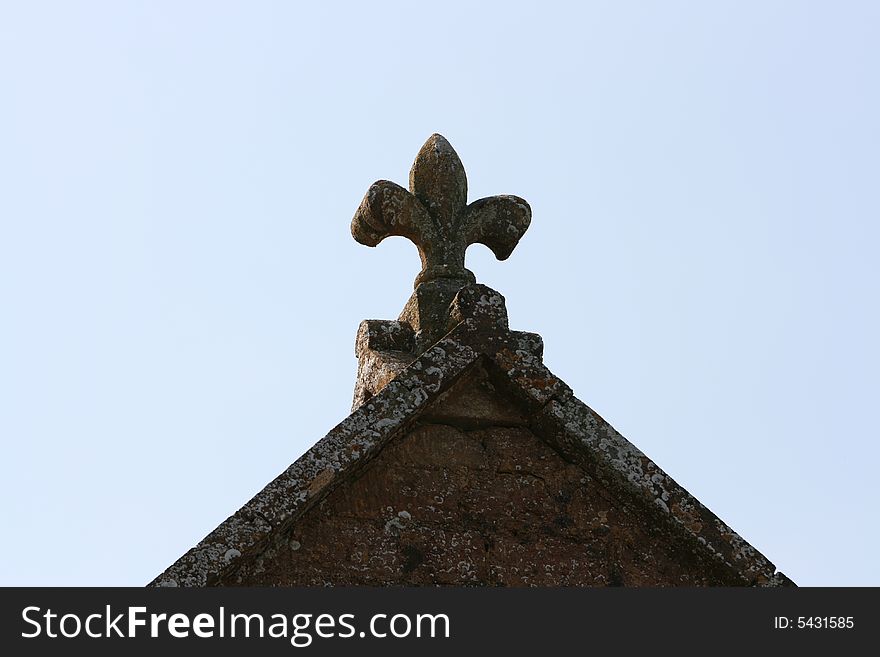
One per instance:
(180, 290)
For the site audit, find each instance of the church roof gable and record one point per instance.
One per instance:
(514, 360)
(449, 325)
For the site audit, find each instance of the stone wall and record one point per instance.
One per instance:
(471, 496)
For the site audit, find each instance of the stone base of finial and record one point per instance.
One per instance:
(427, 310)
(384, 348)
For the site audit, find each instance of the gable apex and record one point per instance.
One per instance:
(397, 392)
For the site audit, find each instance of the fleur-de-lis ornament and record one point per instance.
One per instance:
(435, 216)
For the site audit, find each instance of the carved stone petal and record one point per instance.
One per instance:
(388, 209)
(438, 180)
(499, 222)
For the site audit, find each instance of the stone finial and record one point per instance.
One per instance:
(435, 216)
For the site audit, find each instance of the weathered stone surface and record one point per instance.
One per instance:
(545, 412)
(427, 310)
(435, 217)
(580, 433)
(338, 455)
(434, 214)
(384, 335)
(458, 504)
(654, 524)
(474, 402)
(384, 348)
(465, 460)
(481, 305)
